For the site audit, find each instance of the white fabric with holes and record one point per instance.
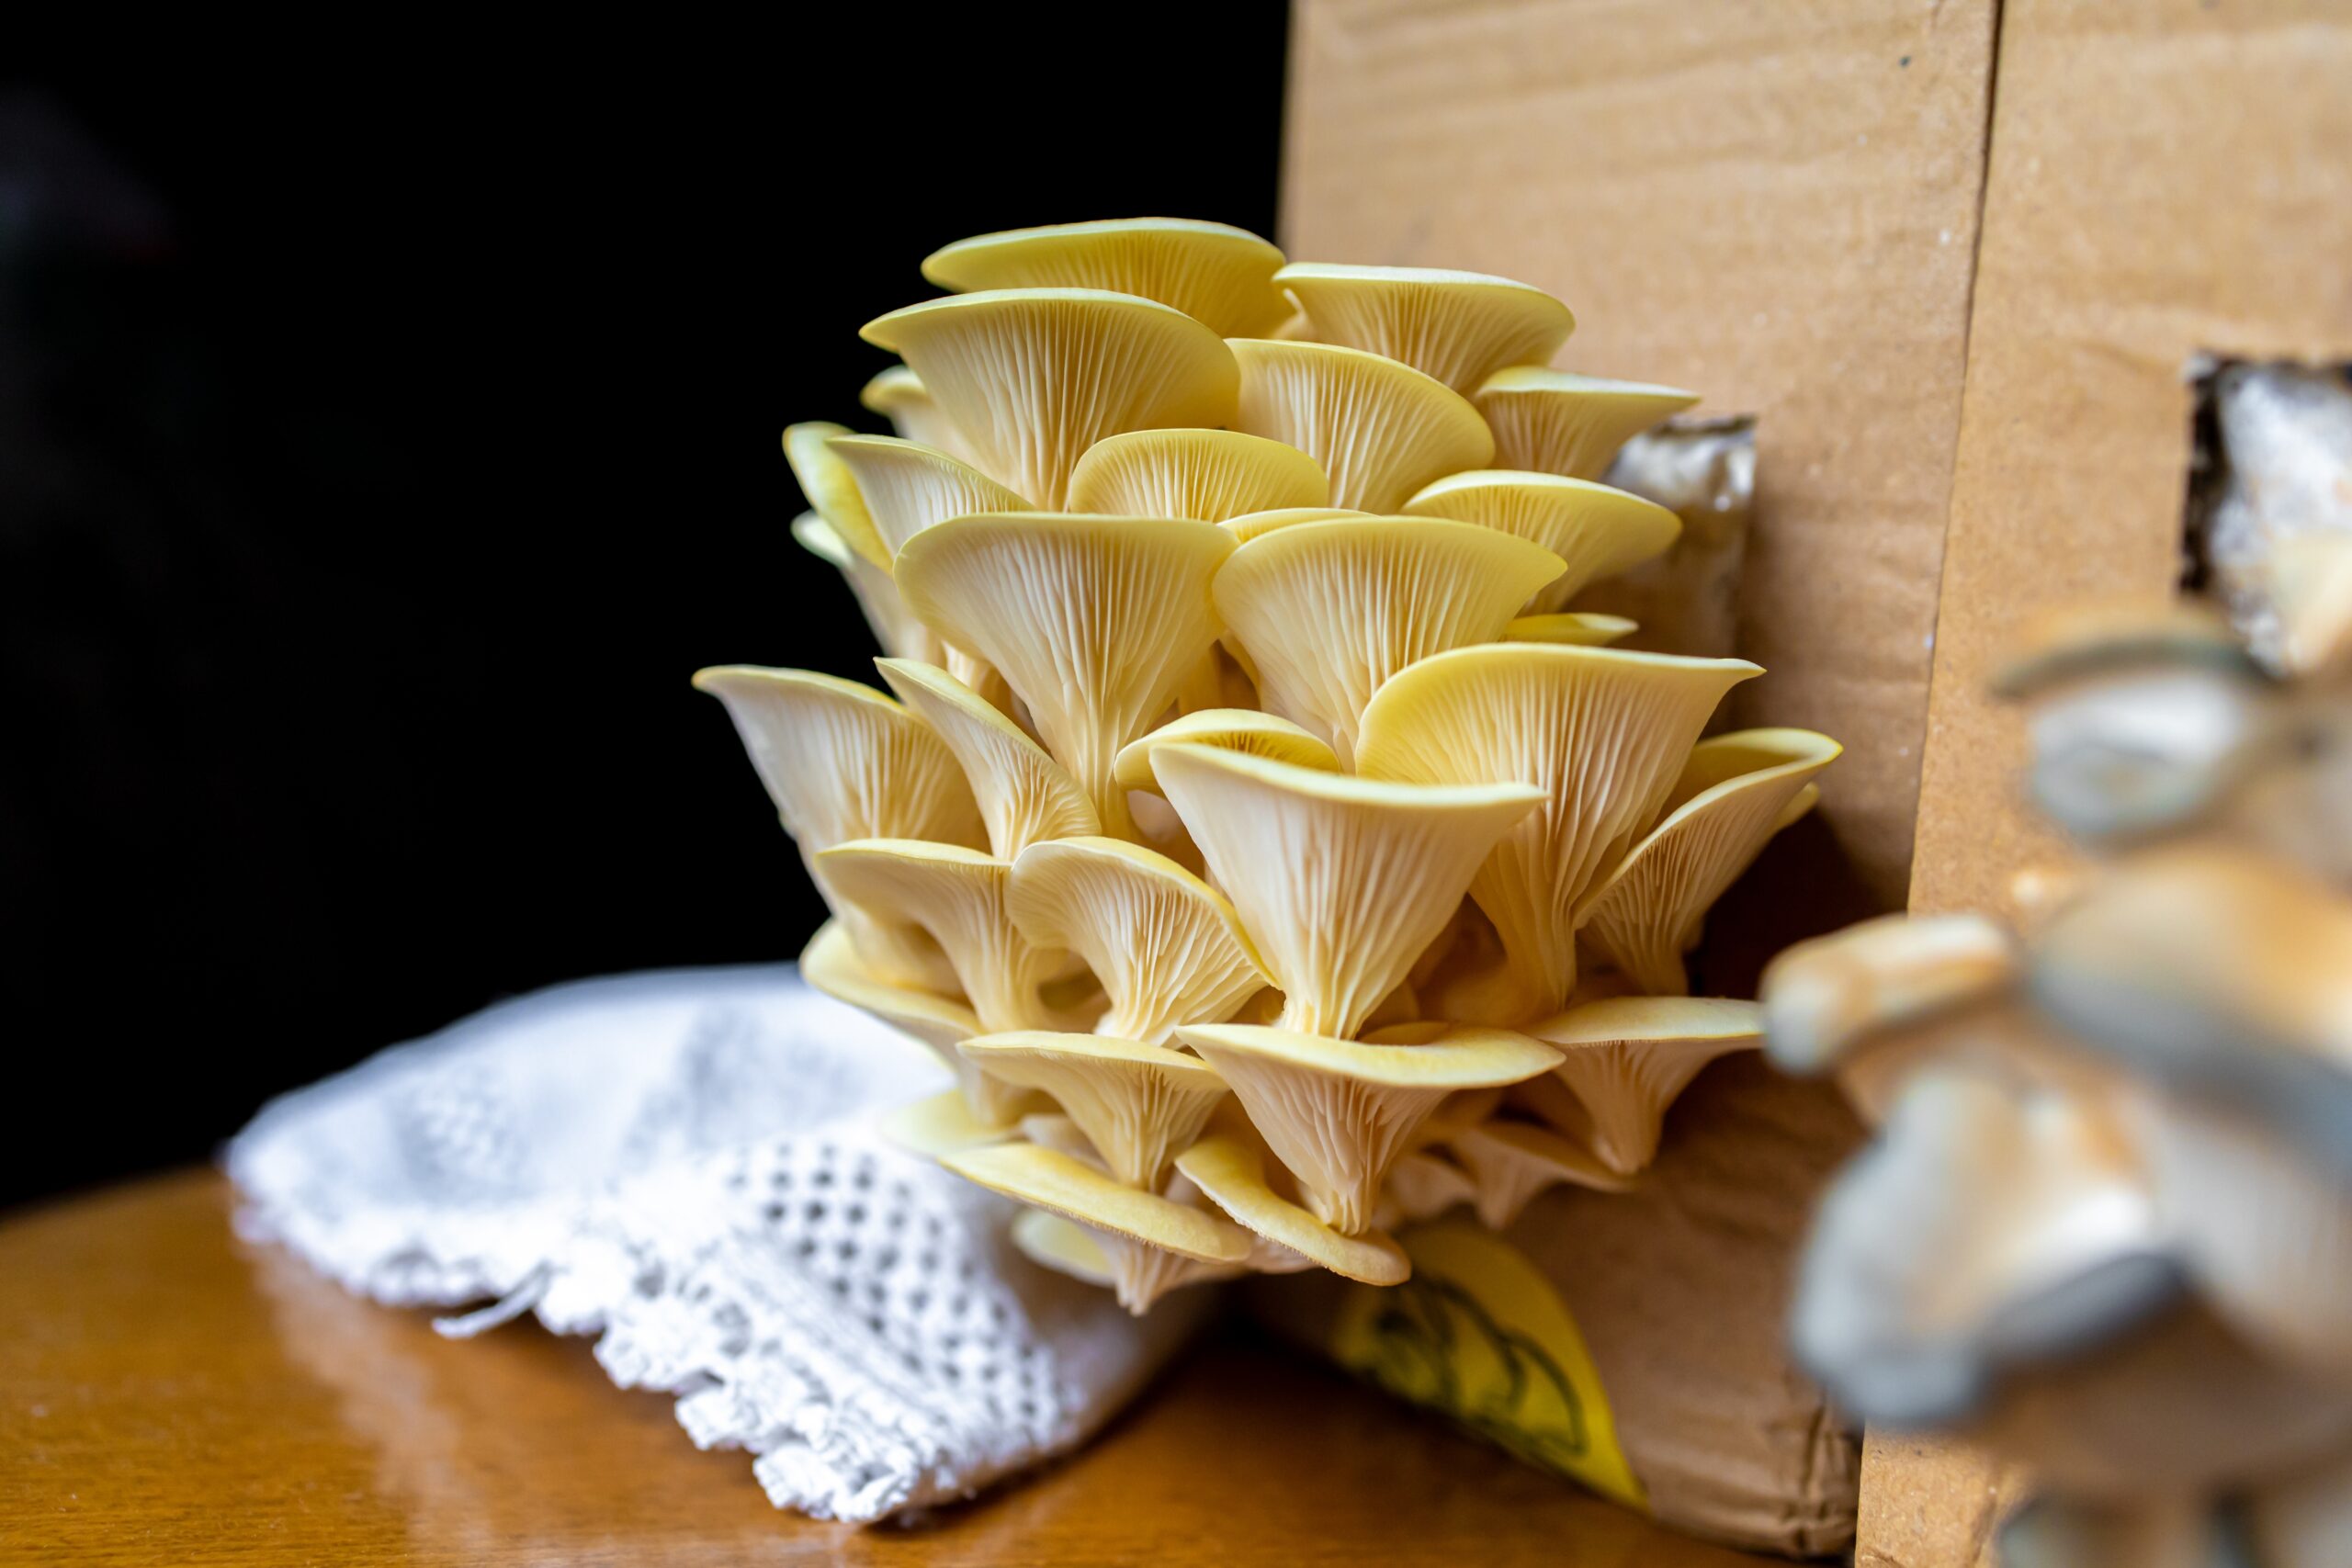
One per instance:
(683, 1164)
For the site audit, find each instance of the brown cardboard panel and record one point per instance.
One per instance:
(1927, 1503)
(1774, 206)
(2166, 176)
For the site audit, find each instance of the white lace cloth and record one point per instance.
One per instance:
(684, 1164)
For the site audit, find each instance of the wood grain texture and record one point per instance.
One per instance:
(170, 1396)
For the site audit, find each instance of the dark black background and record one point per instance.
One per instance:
(383, 442)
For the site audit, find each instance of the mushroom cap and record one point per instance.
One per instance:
(1168, 948)
(2079, 641)
(909, 487)
(1627, 1059)
(1734, 793)
(1421, 1186)
(1575, 629)
(1825, 998)
(1555, 421)
(1337, 1113)
(1034, 377)
(1233, 1176)
(1458, 327)
(1138, 1104)
(1328, 611)
(1597, 531)
(1094, 622)
(1250, 524)
(958, 895)
(897, 394)
(1207, 475)
(896, 630)
(831, 489)
(1248, 730)
(1379, 429)
(1510, 1163)
(1339, 882)
(1602, 732)
(1023, 794)
(1215, 273)
(1063, 1245)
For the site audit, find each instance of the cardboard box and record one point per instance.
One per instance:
(1780, 207)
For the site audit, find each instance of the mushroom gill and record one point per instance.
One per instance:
(1456, 327)
(1379, 429)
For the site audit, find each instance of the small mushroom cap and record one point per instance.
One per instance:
(1207, 475)
(1511, 1163)
(1217, 273)
(1459, 327)
(1572, 628)
(1595, 530)
(1340, 881)
(1234, 1178)
(1250, 524)
(2082, 641)
(1046, 1179)
(1337, 1113)
(1554, 421)
(1094, 622)
(958, 895)
(1232, 729)
(1379, 429)
(899, 395)
(815, 535)
(1421, 1186)
(1734, 793)
(1034, 377)
(1138, 1104)
(1328, 611)
(1168, 948)
(831, 490)
(1062, 1245)
(1627, 1059)
(1825, 998)
(909, 487)
(1602, 732)
(1023, 794)
(944, 1123)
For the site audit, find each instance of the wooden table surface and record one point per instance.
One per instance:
(171, 1395)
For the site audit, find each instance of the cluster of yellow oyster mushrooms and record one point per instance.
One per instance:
(1245, 792)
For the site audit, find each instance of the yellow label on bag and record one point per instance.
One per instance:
(1479, 1335)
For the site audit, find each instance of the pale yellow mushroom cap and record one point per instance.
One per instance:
(899, 395)
(1233, 1176)
(1510, 1163)
(1207, 475)
(831, 964)
(1380, 430)
(1232, 729)
(1421, 1186)
(1601, 731)
(1557, 422)
(1595, 530)
(1626, 1059)
(1458, 327)
(1827, 998)
(1023, 794)
(957, 895)
(1138, 1104)
(1063, 1245)
(1339, 1113)
(1250, 524)
(1328, 611)
(1094, 622)
(1168, 947)
(1217, 273)
(831, 490)
(909, 487)
(1736, 792)
(1340, 881)
(1034, 377)
(1573, 628)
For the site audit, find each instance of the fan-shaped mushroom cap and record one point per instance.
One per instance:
(1421, 1186)
(1093, 621)
(1065, 1246)
(957, 895)
(1328, 611)
(1250, 524)
(842, 761)
(1233, 1176)
(1510, 1163)
(1627, 1059)
(1129, 1225)
(1207, 475)
(1034, 377)
(1458, 327)
(1023, 794)
(1733, 795)
(1827, 998)
(831, 489)
(1602, 732)
(1339, 882)
(1380, 430)
(1217, 273)
(1596, 531)
(1246, 730)
(1571, 629)
(899, 395)
(1138, 1104)
(1557, 422)
(1339, 1113)
(1168, 947)
(909, 487)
